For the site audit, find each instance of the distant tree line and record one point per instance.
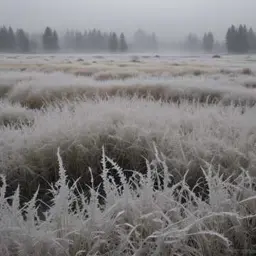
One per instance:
(240, 39)
(13, 42)
(206, 43)
(49, 41)
(74, 40)
(94, 40)
(20, 41)
(143, 41)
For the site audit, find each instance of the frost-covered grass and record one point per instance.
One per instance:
(42, 89)
(188, 134)
(114, 65)
(147, 215)
(121, 75)
(9, 79)
(14, 115)
(182, 129)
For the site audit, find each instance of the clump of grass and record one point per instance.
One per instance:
(135, 59)
(198, 73)
(5, 88)
(247, 71)
(112, 75)
(9, 79)
(15, 116)
(250, 84)
(145, 215)
(13, 57)
(225, 71)
(84, 72)
(98, 57)
(123, 65)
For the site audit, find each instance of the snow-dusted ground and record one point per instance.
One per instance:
(199, 112)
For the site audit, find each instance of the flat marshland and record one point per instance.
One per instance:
(116, 155)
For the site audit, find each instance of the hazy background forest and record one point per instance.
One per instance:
(240, 39)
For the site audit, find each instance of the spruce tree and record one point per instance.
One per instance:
(4, 39)
(208, 42)
(251, 37)
(48, 39)
(22, 41)
(123, 47)
(55, 41)
(113, 42)
(11, 39)
(243, 33)
(192, 42)
(237, 39)
(231, 37)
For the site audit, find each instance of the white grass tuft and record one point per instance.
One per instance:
(134, 222)
(15, 115)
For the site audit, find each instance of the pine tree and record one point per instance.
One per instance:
(47, 39)
(11, 39)
(237, 40)
(22, 41)
(55, 40)
(231, 39)
(123, 47)
(4, 39)
(243, 45)
(251, 38)
(50, 40)
(113, 42)
(78, 40)
(208, 42)
(192, 42)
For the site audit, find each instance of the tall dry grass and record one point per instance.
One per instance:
(187, 134)
(136, 218)
(9, 79)
(43, 89)
(196, 197)
(14, 115)
(120, 75)
(112, 66)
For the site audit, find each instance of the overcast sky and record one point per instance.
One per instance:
(165, 17)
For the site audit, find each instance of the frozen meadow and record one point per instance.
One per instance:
(127, 155)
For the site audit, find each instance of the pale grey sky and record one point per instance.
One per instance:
(165, 17)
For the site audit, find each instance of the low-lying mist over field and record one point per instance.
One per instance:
(127, 154)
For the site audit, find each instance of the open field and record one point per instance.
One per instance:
(163, 147)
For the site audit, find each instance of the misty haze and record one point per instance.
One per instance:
(127, 128)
